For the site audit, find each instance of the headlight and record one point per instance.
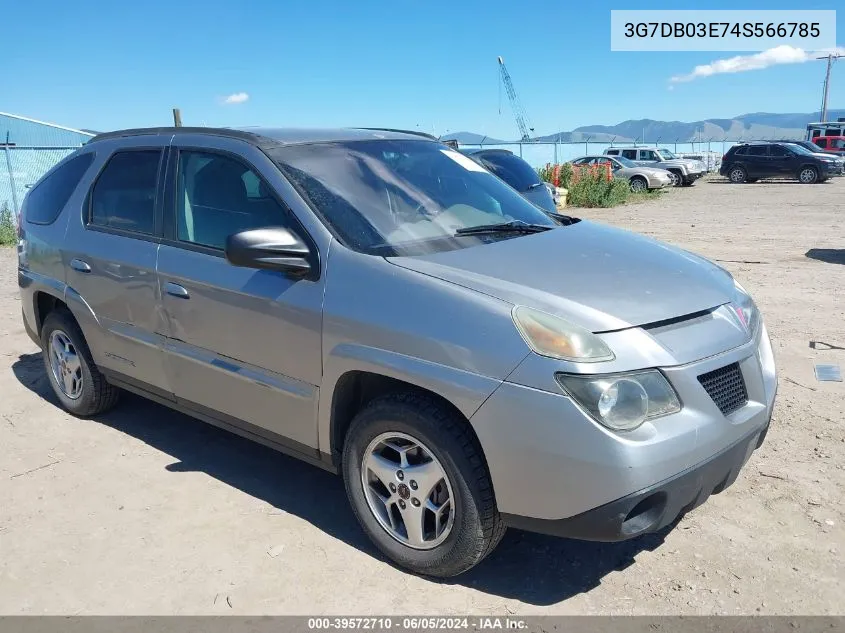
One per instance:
(622, 402)
(745, 309)
(552, 336)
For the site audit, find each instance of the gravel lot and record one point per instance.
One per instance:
(146, 511)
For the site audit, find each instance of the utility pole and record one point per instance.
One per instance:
(830, 59)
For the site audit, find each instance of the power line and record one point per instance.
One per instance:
(831, 58)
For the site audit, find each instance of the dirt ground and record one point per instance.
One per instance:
(146, 511)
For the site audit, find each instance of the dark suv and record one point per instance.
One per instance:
(748, 162)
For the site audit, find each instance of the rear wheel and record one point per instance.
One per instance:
(808, 175)
(737, 174)
(638, 183)
(75, 379)
(418, 484)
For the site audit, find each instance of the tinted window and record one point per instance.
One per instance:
(613, 152)
(630, 154)
(219, 196)
(777, 150)
(741, 151)
(48, 198)
(124, 195)
(821, 142)
(512, 169)
(757, 150)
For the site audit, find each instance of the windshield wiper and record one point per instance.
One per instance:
(534, 186)
(505, 227)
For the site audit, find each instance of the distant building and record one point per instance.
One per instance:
(28, 149)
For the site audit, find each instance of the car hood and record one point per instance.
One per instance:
(678, 162)
(596, 276)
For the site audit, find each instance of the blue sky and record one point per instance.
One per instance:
(428, 65)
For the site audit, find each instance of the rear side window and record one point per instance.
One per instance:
(46, 201)
(630, 154)
(124, 194)
(757, 150)
(612, 152)
(513, 170)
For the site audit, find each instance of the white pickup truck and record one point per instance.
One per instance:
(684, 171)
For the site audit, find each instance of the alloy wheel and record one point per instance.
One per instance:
(407, 490)
(807, 175)
(65, 364)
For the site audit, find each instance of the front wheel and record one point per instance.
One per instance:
(676, 178)
(638, 183)
(808, 175)
(419, 486)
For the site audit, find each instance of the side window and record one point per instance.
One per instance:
(741, 151)
(125, 192)
(821, 142)
(630, 154)
(218, 196)
(648, 154)
(613, 152)
(757, 150)
(46, 201)
(777, 150)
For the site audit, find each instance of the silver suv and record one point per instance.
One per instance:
(684, 171)
(379, 305)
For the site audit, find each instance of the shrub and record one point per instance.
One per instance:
(558, 175)
(8, 231)
(593, 188)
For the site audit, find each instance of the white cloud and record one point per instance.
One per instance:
(237, 97)
(741, 63)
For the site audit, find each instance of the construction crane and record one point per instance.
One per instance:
(516, 105)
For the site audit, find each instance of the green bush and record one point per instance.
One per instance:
(595, 189)
(8, 231)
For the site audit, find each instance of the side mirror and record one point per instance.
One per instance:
(271, 248)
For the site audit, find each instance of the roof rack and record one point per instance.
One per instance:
(149, 131)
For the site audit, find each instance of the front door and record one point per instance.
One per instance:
(244, 344)
(782, 161)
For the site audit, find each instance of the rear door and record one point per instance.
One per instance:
(782, 161)
(244, 344)
(110, 255)
(756, 161)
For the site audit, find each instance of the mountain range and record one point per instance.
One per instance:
(753, 126)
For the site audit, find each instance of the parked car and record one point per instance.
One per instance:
(815, 149)
(641, 178)
(518, 174)
(831, 143)
(379, 305)
(748, 162)
(684, 171)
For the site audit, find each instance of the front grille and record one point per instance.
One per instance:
(727, 388)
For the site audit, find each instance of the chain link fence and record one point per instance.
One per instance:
(538, 154)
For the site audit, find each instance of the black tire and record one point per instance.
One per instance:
(477, 527)
(687, 182)
(97, 395)
(677, 178)
(808, 175)
(638, 183)
(737, 174)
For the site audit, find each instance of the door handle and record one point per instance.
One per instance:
(176, 290)
(79, 266)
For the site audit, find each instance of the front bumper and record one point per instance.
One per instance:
(550, 461)
(659, 181)
(652, 508)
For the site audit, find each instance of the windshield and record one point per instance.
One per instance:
(390, 197)
(836, 143)
(512, 169)
(625, 162)
(665, 154)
